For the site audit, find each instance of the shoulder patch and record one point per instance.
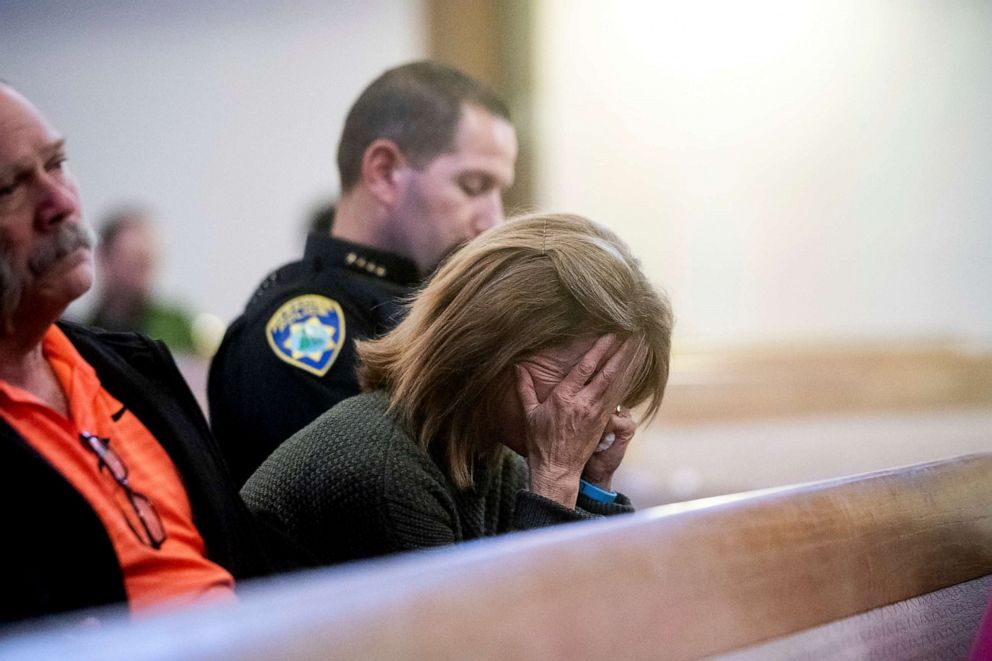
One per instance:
(307, 332)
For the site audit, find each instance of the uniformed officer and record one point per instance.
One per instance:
(425, 155)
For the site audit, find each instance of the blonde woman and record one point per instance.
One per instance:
(500, 403)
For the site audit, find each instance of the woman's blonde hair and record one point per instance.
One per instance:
(530, 284)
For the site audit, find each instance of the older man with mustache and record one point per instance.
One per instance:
(113, 488)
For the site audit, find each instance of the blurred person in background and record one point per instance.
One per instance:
(425, 155)
(114, 489)
(127, 261)
(500, 403)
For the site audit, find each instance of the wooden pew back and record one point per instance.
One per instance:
(683, 581)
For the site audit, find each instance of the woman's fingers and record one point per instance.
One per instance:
(624, 426)
(584, 370)
(601, 466)
(525, 389)
(580, 419)
(598, 382)
(609, 382)
(621, 427)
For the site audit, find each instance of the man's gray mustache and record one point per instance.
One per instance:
(67, 239)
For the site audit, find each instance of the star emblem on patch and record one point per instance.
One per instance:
(307, 332)
(310, 338)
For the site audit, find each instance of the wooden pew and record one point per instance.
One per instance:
(782, 381)
(684, 581)
(937, 625)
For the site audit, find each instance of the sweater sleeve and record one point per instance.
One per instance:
(534, 511)
(621, 505)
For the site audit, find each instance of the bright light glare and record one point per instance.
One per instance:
(713, 34)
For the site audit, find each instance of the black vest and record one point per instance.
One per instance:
(56, 555)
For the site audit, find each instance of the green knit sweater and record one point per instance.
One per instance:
(353, 484)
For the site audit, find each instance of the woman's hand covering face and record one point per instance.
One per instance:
(565, 425)
(608, 455)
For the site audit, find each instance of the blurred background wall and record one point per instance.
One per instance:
(222, 116)
(789, 169)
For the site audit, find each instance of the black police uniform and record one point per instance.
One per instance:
(291, 355)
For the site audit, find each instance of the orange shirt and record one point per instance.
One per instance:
(178, 570)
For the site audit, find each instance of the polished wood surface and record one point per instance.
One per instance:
(937, 625)
(733, 384)
(677, 582)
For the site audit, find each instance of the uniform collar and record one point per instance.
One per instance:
(361, 259)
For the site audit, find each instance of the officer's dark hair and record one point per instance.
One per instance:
(417, 106)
